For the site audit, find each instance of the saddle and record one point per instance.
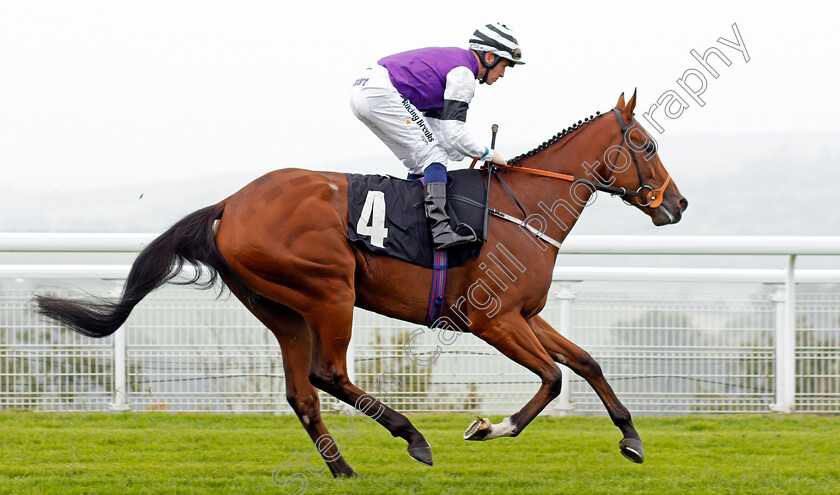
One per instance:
(387, 216)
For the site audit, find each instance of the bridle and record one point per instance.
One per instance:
(646, 194)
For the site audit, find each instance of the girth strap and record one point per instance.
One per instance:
(438, 291)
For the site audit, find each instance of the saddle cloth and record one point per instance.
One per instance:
(387, 215)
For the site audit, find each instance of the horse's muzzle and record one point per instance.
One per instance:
(670, 211)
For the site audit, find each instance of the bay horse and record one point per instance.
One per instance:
(281, 246)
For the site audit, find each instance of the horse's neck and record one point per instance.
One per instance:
(554, 203)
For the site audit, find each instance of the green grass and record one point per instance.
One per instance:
(179, 453)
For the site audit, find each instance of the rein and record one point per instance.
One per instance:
(654, 196)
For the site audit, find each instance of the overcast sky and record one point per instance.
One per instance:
(117, 93)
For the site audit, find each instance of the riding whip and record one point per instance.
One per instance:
(489, 166)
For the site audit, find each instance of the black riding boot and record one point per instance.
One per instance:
(442, 233)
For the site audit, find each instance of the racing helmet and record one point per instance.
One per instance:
(499, 40)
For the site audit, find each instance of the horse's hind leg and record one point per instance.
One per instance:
(565, 352)
(296, 345)
(322, 292)
(331, 328)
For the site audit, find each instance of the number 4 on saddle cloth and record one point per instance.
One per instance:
(386, 214)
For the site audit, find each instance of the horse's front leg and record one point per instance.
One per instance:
(565, 352)
(511, 335)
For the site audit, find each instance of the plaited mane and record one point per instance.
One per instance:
(557, 137)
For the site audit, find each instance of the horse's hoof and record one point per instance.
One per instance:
(478, 429)
(631, 448)
(421, 453)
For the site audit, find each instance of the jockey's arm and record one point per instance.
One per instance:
(460, 88)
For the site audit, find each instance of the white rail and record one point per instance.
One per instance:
(737, 245)
(581, 244)
(74, 243)
(570, 274)
(791, 247)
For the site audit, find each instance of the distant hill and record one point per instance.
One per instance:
(741, 185)
(752, 184)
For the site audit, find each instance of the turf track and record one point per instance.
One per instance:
(174, 453)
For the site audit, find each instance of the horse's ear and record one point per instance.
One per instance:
(620, 103)
(627, 111)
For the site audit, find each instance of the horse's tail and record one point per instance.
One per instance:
(191, 240)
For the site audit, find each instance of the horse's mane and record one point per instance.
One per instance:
(557, 137)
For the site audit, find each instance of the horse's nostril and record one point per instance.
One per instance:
(683, 204)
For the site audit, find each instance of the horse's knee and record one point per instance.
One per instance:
(328, 378)
(587, 366)
(554, 380)
(319, 380)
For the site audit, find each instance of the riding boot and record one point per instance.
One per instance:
(442, 233)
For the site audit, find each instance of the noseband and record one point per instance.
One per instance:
(646, 194)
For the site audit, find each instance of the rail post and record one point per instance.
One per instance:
(120, 400)
(351, 361)
(785, 300)
(563, 403)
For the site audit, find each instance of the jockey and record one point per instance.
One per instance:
(416, 103)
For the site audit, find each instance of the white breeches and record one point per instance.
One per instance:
(414, 138)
